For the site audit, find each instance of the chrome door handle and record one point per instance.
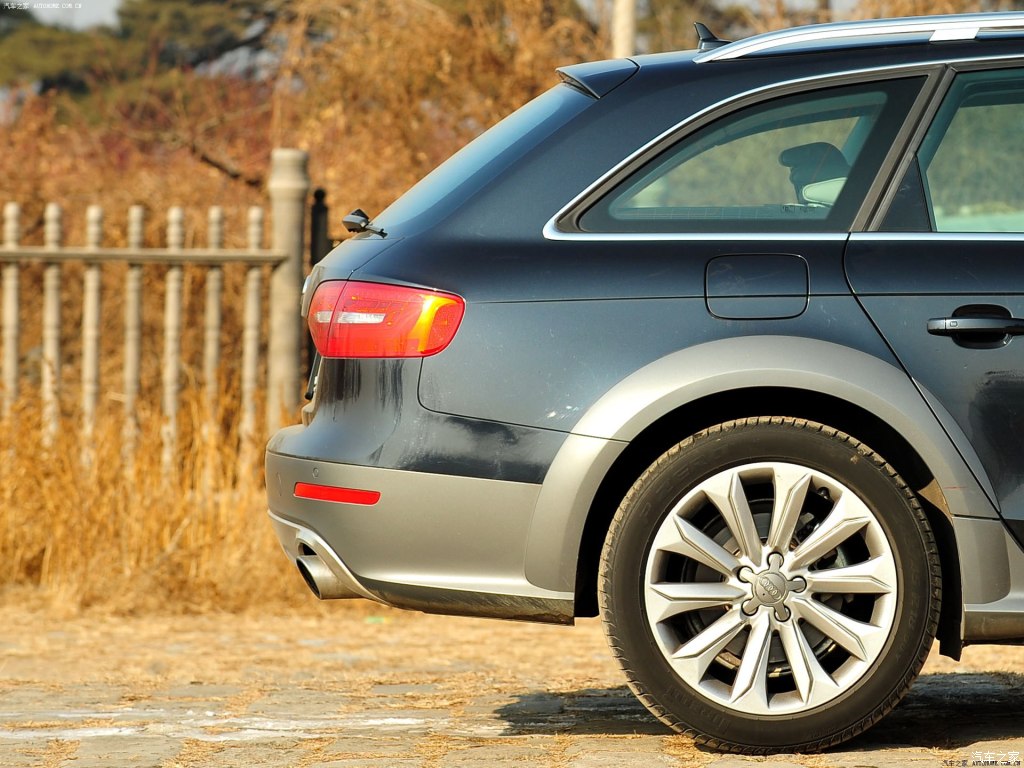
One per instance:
(954, 326)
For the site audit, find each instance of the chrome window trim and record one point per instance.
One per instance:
(551, 231)
(961, 26)
(958, 237)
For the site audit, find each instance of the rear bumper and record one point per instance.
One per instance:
(436, 543)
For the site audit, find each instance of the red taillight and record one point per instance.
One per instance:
(335, 494)
(352, 319)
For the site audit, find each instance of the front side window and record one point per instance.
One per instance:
(798, 163)
(967, 176)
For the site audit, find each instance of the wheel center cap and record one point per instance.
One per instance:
(770, 588)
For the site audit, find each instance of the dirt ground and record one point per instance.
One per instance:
(360, 686)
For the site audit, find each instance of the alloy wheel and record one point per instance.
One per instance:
(771, 588)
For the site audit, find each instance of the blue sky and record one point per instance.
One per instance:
(88, 13)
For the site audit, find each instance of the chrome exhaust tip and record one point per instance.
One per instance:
(323, 571)
(321, 579)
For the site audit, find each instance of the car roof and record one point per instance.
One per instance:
(871, 33)
(870, 43)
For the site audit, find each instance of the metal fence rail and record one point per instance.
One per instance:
(289, 185)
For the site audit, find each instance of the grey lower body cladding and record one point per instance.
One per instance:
(430, 542)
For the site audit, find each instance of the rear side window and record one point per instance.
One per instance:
(479, 162)
(794, 164)
(971, 161)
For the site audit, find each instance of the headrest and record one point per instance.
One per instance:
(813, 162)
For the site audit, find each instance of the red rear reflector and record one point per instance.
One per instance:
(332, 493)
(353, 319)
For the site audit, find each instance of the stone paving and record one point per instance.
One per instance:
(357, 686)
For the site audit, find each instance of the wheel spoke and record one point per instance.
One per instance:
(848, 516)
(667, 600)
(791, 485)
(807, 672)
(876, 576)
(731, 500)
(694, 657)
(685, 539)
(860, 639)
(751, 677)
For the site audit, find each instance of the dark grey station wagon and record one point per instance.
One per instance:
(720, 345)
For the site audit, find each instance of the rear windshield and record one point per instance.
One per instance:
(480, 161)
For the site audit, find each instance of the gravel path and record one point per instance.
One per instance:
(361, 686)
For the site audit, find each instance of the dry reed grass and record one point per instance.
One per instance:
(397, 87)
(85, 526)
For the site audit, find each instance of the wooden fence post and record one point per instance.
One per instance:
(12, 330)
(251, 331)
(172, 342)
(91, 327)
(133, 330)
(289, 186)
(251, 323)
(212, 318)
(50, 372)
(211, 351)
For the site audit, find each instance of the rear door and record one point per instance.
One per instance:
(943, 279)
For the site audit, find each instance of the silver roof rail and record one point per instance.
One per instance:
(961, 26)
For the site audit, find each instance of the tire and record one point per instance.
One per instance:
(770, 584)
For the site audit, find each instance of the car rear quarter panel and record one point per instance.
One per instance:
(747, 363)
